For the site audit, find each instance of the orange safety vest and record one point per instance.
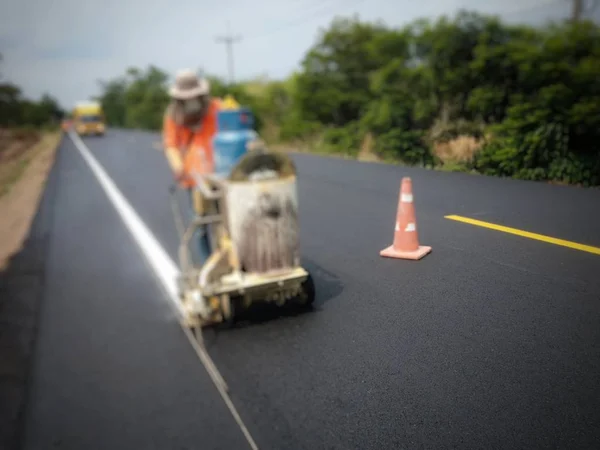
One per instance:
(195, 145)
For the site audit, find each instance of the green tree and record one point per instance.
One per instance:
(146, 98)
(333, 87)
(17, 111)
(10, 104)
(113, 102)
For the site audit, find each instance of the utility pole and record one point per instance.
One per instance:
(576, 10)
(229, 40)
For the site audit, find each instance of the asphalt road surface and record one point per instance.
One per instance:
(490, 342)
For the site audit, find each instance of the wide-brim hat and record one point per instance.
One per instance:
(188, 85)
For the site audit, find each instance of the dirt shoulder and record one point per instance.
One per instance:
(24, 168)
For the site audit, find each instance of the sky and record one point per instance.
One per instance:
(64, 47)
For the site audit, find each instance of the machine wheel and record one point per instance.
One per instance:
(308, 291)
(231, 313)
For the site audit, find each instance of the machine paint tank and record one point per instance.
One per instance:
(234, 132)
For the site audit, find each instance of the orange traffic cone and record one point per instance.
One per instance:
(406, 240)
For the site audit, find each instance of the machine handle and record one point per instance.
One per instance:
(176, 208)
(204, 187)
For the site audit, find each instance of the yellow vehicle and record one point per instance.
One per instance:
(88, 119)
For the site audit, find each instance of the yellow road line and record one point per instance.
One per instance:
(527, 234)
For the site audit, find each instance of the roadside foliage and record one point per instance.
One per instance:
(23, 123)
(17, 111)
(466, 93)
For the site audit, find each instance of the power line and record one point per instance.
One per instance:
(328, 9)
(307, 18)
(229, 40)
(579, 9)
(590, 8)
(526, 9)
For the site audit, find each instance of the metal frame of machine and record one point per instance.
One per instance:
(215, 292)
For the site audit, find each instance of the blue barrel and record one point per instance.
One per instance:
(234, 131)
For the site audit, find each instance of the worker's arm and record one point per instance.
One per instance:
(172, 152)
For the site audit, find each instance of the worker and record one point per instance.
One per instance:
(190, 122)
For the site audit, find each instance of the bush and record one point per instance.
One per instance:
(535, 143)
(345, 140)
(406, 146)
(448, 131)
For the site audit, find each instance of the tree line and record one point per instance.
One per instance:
(18, 111)
(464, 93)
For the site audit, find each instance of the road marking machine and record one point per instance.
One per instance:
(249, 209)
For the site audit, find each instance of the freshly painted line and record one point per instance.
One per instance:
(164, 268)
(527, 234)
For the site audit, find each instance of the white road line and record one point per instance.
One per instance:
(164, 267)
